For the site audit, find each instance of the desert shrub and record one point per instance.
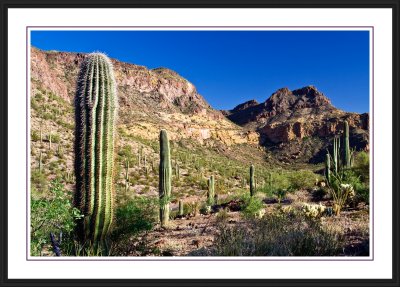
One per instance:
(56, 215)
(274, 183)
(361, 188)
(205, 209)
(137, 215)
(35, 136)
(38, 181)
(253, 208)
(361, 166)
(126, 152)
(55, 138)
(277, 234)
(302, 179)
(319, 193)
(222, 215)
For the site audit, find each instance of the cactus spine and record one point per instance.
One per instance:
(165, 173)
(347, 154)
(211, 191)
(95, 116)
(252, 183)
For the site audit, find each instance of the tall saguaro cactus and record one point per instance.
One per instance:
(347, 154)
(252, 182)
(211, 191)
(165, 174)
(95, 117)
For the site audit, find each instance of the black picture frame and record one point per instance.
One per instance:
(5, 253)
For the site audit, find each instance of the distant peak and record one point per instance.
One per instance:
(307, 90)
(284, 90)
(246, 105)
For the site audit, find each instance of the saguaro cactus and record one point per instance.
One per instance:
(211, 191)
(126, 170)
(336, 153)
(347, 154)
(180, 208)
(328, 167)
(177, 170)
(165, 174)
(95, 117)
(49, 141)
(252, 183)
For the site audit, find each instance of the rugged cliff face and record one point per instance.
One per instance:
(149, 99)
(288, 118)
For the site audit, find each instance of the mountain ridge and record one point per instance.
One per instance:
(152, 99)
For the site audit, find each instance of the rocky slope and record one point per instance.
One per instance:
(149, 99)
(288, 119)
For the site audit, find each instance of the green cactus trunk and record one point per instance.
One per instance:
(336, 153)
(347, 154)
(180, 208)
(211, 191)
(177, 170)
(165, 173)
(49, 141)
(252, 182)
(95, 117)
(126, 170)
(328, 168)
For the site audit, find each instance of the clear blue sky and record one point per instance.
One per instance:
(230, 67)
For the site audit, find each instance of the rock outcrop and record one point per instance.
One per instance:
(289, 116)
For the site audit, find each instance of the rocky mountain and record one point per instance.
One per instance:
(149, 99)
(296, 126)
(287, 119)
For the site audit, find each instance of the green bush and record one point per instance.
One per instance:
(252, 207)
(137, 215)
(55, 138)
(56, 215)
(302, 179)
(38, 182)
(35, 136)
(361, 166)
(360, 187)
(277, 235)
